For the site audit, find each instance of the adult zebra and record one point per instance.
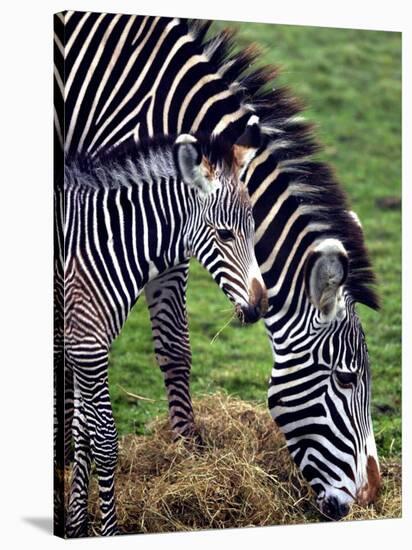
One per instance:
(305, 232)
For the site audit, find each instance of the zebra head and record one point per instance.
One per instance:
(220, 232)
(320, 388)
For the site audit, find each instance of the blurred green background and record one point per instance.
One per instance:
(350, 81)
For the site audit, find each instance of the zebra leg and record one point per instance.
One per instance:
(58, 441)
(68, 415)
(59, 393)
(63, 418)
(77, 524)
(166, 299)
(97, 431)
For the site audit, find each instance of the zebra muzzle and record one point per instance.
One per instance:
(258, 302)
(370, 490)
(251, 312)
(333, 509)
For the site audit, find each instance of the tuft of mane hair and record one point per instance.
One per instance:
(142, 161)
(292, 139)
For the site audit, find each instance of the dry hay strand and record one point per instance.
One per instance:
(243, 476)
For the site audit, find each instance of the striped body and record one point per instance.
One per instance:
(296, 206)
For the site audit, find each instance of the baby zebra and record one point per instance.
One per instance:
(130, 216)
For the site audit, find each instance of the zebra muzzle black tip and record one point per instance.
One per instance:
(249, 314)
(334, 510)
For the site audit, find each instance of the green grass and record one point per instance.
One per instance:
(351, 82)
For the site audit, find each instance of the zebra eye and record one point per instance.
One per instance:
(346, 379)
(225, 234)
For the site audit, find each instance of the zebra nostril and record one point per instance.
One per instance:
(251, 313)
(333, 509)
(343, 509)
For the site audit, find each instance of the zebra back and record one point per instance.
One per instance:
(120, 77)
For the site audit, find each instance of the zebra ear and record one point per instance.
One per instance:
(355, 218)
(188, 159)
(326, 271)
(248, 143)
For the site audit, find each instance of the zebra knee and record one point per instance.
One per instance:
(169, 360)
(105, 446)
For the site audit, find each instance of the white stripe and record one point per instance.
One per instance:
(263, 186)
(68, 15)
(108, 71)
(134, 233)
(188, 98)
(170, 217)
(260, 231)
(146, 251)
(125, 73)
(177, 79)
(96, 241)
(125, 253)
(110, 246)
(135, 87)
(85, 84)
(228, 119)
(183, 40)
(59, 44)
(58, 80)
(75, 33)
(157, 219)
(60, 16)
(206, 106)
(58, 128)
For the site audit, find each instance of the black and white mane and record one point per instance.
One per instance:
(292, 140)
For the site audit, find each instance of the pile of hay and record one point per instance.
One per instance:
(243, 477)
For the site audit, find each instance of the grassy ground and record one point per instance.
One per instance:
(351, 82)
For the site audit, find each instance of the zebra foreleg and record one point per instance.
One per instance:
(95, 419)
(58, 439)
(166, 299)
(103, 441)
(63, 418)
(77, 523)
(68, 415)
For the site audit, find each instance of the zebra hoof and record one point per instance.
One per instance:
(195, 441)
(77, 531)
(111, 531)
(191, 439)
